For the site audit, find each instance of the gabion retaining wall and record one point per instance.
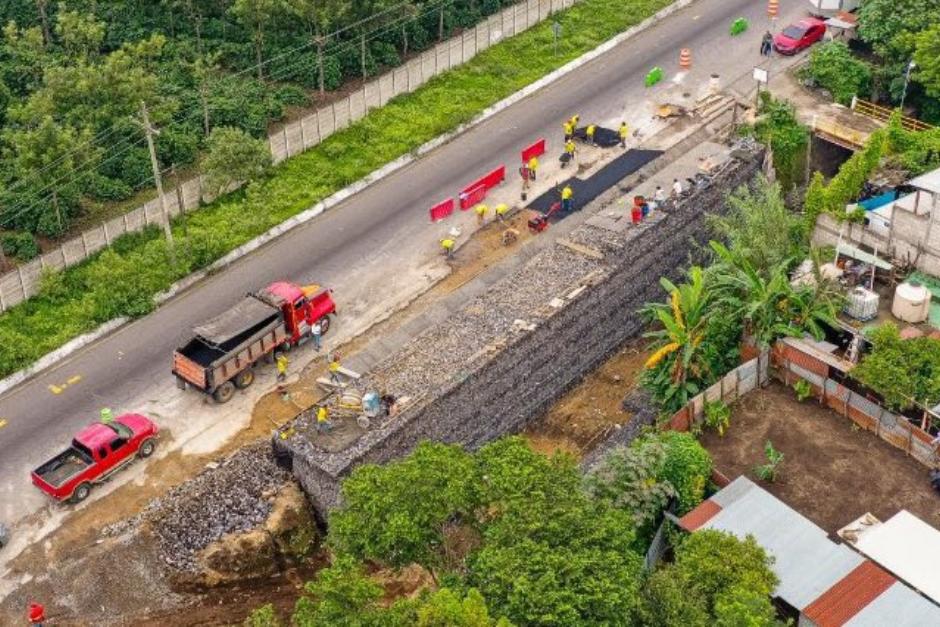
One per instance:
(515, 350)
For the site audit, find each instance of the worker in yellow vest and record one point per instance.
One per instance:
(281, 367)
(334, 369)
(447, 246)
(533, 166)
(323, 419)
(569, 129)
(624, 131)
(501, 210)
(566, 195)
(591, 129)
(569, 151)
(481, 210)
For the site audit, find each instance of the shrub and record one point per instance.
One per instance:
(832, 67)
(768, 471)
(803, 390)
(717, 416)
(107, 188)
(22, 246)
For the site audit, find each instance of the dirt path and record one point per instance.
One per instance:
(833, 472)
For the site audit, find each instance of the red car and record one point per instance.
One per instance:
(796, 37)
(97, 451)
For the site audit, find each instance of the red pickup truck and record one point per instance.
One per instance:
(96, 452)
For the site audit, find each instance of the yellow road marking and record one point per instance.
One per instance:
(74, 380)
(3, 423)
(58, 389)
(55, 389)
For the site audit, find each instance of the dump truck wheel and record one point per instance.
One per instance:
(81, 492)
(244, 378)
(224, 392)
(146, 448)
(324, 324)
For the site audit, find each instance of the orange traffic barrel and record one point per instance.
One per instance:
(685, 58)
(773, 7)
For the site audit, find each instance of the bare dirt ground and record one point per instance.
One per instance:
(832, 471)
(592, 410)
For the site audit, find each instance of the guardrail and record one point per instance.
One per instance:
(883, 114)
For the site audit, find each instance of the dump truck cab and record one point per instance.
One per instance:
(301, 307)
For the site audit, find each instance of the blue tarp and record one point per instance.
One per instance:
(878, 201)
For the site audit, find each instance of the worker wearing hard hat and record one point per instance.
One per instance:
(323, 419)
(569, 129)
(591, 129)
(481, 210)
(624, 131)
(447, 246)
(501, 210)
(566, 195)
(533, 166)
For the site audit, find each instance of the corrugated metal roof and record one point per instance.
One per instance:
(908, 547)
(849, 595)
(816, 574)
(898, 606)
(700, 515)
(929, 181)
(805, 560)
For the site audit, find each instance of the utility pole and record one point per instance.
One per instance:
(150, 132)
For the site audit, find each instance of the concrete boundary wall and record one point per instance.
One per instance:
(523, 371)
(286, 141)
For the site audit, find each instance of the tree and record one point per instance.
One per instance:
(446, 608)
(366, 15)
(396, 514)
(742, 606)
(50, 164)
(687, 466)
(887, 24)
(669, 602)
(712, 562)
(779, 127)
(758, 226)
(679, 366)
(832, 67)
(927, 58)
(42, 8)
(256, 16)
(573, 566)
(233, 156)
(901, 371)
(340, 595)
(80, 34)
(321, 16)
(628, 478)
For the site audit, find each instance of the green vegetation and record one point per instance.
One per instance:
(768, 471)
(903, 372)
(72, 75)
(124, 280)
(717, 416)
(803, 390)
(523, 539)
(22, 246)
(233, 156)
(832, 67)
(778, 128)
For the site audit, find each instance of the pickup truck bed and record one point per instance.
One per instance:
(63, 467)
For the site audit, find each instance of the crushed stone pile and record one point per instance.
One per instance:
(451, 349)
(236, 496)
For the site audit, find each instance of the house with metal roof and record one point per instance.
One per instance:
(822, 583)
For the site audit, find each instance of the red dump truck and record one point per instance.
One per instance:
(223, 352)
(96, 452)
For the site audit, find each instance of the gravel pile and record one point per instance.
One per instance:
(235, 496)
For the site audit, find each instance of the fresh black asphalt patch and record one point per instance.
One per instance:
(586, 190)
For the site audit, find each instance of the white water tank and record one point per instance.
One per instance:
(911, 302)
(862, 304)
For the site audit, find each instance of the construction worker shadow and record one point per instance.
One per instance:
(548, 205)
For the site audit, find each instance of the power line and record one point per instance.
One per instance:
(329, 50)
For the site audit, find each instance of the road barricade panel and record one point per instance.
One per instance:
(535, 150)
(441, 210)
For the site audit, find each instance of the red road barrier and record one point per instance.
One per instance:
(476, 191)
(471, 196)
(535, 150)
(441, 210)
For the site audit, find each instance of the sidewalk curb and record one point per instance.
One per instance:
(303, 217)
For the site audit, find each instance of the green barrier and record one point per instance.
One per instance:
(107, 415)
(655, 75)
(738, 26)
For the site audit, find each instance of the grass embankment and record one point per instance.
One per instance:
(123, 279)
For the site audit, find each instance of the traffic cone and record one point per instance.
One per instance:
(773, 8)
(685, 59)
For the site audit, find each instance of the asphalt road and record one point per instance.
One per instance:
(374, 226)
